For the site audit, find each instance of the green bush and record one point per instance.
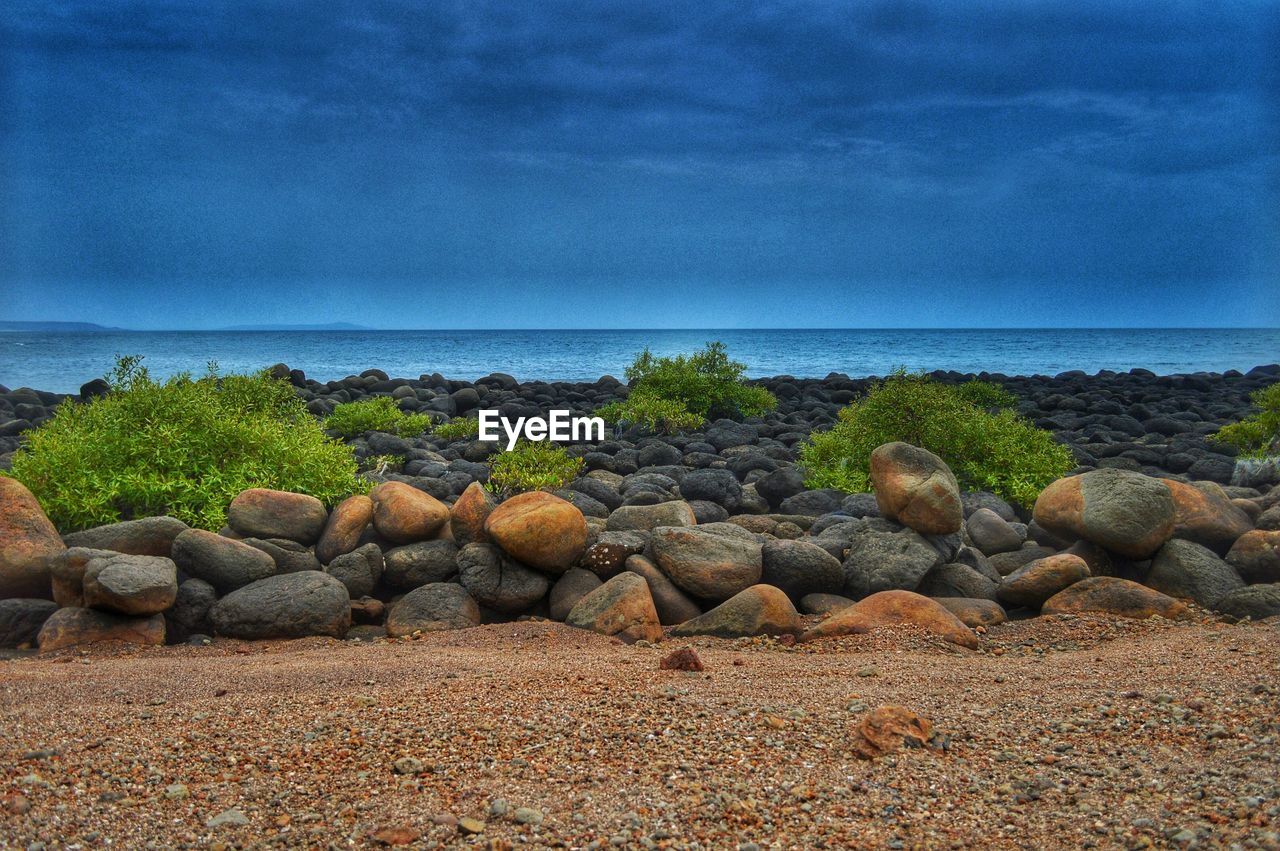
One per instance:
(986, 395)
(532, 466)
(1256, 436)
(458, 428)
(1002, 452)
(185, 447)
(651, 412)
(380, 413)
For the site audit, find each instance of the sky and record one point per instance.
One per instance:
(640, 164)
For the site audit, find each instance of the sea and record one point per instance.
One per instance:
(62, 361)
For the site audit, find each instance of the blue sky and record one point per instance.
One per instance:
(624, 164)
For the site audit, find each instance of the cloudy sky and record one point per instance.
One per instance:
(640, 164)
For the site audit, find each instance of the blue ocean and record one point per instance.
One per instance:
(62, 361)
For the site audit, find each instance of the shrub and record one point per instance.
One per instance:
(651, 412)
(382, 464)
(458, 429)
(380, 413)
(185, 447)
(532, 466)
(706, 383)
(986, 395)
(1256, 436)
(1002, 453)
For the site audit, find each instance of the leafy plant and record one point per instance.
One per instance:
(379, 413)
(458, 428)
(986, 394)
(185, 447)
(1002, 452)
(1256, 436)
(532, 466)
(381, 464)
(706, 382)
(652, 412)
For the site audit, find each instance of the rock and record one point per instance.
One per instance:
(887, 729)
(707, 565)
(684, 659)
(645, 518)
(1125, 512)
(415, 565)
(1206, 516)
(498, 581)
(824, 604)
(21, 619)
(883, 561)
(575, 584)
(539, 529)
(147, 536)
(403, 514)
(1191, 572)
(262, 513)
(66, 570)
(468, 515)
(783, 482)
(289, 556)
(70, 627)
(1256, 556)
(293, 605)
(607, 556)
(759, 610)
(894, 608)
(973, 613)
(431, 608)
(227, 818)
(28, 543)
(1006, 563)
(672, 604)
(719, 486)
(1116, 597)
(812, 503)
(957, 580)
(358, 571)
(189, 614)
(990, 533)
(367, 610)
(131, 585)
(800, 568)
(916, 488)
(621, 607)
(1032, 584)
(1253, 601)
(346, 525)
(224, 563)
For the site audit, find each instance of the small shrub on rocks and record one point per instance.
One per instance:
(379, 413)
(986, 395)
(185, 447)
(532, 466)
(1257, 436)
(999, 452)
(651, 412)
(458, 429)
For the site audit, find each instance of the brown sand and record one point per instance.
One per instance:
(1060, 733)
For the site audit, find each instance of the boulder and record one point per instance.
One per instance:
(916, 488)
(1006, 563)
(1253, 601)
(432, 607)
(800, 568)
(672, 604)
(131, 585)
(1122, 511)
(1190, 571)
(991, 533)
(469, 513)
(645, 518)
(423, 563)
(575, 584)
(346, 525)
(824, 604)
(263, 513)
(1256, 556)
(610, 551)
(1205, 515)
(1029, 586)
(957, 580)
(224, 563)
(884, 561)
(71, 627)
(66, 570)
(21, 619)
(1116, 597)
(293, 605)
(621, 607)
(759, 610)
(894, 608)
(499, 582)
(28, 543)
(359, 570)
(403, 514)
(973, 613)
(539, 529)
(718, 486)
(189, 614)
(289, 556)
(146, 536)
(709, 565)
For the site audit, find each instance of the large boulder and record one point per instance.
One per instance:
(1256, 556)
(71, 627)
(346, 525)
(571, 587)
(991, 533)
(673, 605)
(28, 542)
(423, 563)
(359, 570)
(759, 610)
(539, 529)
(879, 560)
(146, 536)
(1125, 512)
(800, 568)
(916, 488)
(1253, 601)
(1109, 595)
(1205, 515)
(263, 513)
(224, 563)
(131, 585)
(1032, 584)
(621, 607)
(894, 608)
(1189, 571)
(432, 607)
(498, 581)
(645, 518)
(403, 514)
(21, 619)
(957, 580)
(293, 605)
(719, 486)
(709, 565)
(469, 513)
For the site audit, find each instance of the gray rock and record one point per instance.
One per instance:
(189, 614)
(824, 604)
(359, 570)
(1192, 572)
(289, 556)
(672, 604)
(800, 568)
(222, 562)
(644, 518)
(957, 580)
(1006, 563)
(130, 584)
(21, 619)
(884, 561)
(433, 607)
(719, 486)
(147, 536)
(708, 563)
(499, 582)
(1252, 601)
(991, 534)
(571, 587)
(293, 605)
(415, 565)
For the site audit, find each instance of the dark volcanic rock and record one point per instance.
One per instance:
(21, 619)
(290, 606)
(148, 536)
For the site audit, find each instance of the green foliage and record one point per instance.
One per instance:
(706, 383)
(185, 447)
(1002, 452)
(379, 413)
(381, 464)
(532, 466)
(986, 395)
(459, 428)
(651, 412)
(1256, 436)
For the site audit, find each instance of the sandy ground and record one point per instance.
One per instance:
(1059, 733)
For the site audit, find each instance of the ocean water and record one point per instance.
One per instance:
(61, 362)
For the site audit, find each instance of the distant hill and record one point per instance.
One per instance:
(329, 326)
(7, 325)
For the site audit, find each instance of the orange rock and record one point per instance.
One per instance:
(894, 608)
(28, 543)
(1256, 556)
(1125, 512)
(916, 488)
(71, 626)
(1116, 597)
(759, 610)
(403, 514)
(622, 607)
(887, 729)
(539, 529)
(469, 513)
(346, 524)
(1205, 515)
(263, 513)
(1032, 584)
(973, 612)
